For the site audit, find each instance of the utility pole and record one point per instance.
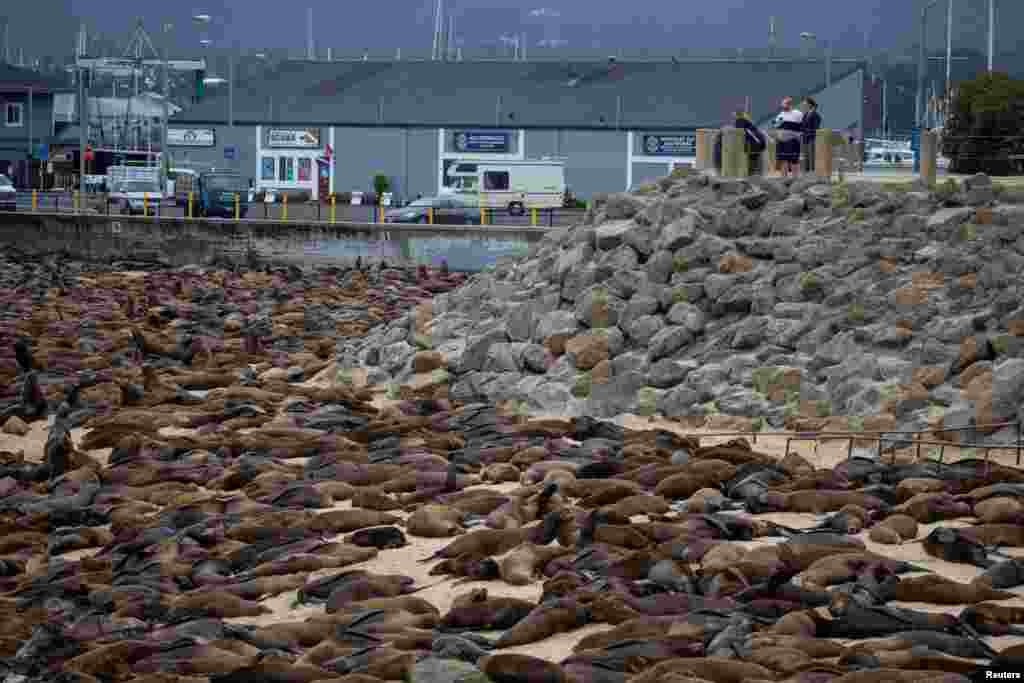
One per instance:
(82, 123)
(310, 50)
(991, 31)
(164, 154)
(231, 89)
(949, 43)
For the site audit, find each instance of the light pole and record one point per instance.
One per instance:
(164, 155)
(991, 31)
(807, 36)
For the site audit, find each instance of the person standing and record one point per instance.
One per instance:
(789, 126)
(811, 124)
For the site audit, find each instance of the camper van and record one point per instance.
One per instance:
(513, 185)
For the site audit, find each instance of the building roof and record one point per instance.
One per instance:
(526, 94)
(18, 79)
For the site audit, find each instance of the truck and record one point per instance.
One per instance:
(217, 193)
(514, 185)
(133, 187)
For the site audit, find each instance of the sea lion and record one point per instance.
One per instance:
(381, 537)
(939, 590)
(1005, 574)
(369, 498)
(435, 521)
(472, 566)
(487, 614)
(485, 542)
(520, 565)
(545, 620)
(957, 545)
(509, 668)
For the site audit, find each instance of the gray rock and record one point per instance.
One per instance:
(644, 329)
(624, 283)
(617, 395)
(536, 358)
(838, 349)
(668, 373)
(668, 341)
(660, 267)
(944, 220)
(504, 357)
(571, 260)
(588, 307)
(642, 239)
(475, 355)
(434, 670)
(609, 236)
(394, 356)
(622, 205)
(1007, 389)
(579, 280)
(750, 332)
(681, 232)
(636, 308)
(716, 285)
(556, 323)
(688, 315)
(634, 361)
(755, 199)
(520, 321)
(621, 258)
(679, 402)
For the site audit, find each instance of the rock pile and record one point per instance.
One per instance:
(791, 301)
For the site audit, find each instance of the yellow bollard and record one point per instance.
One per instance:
(237, 207)
(145, 203)
(284, 211)
(483, 215)
(190, 205)
(77, 193)
(430, 215)
(333, 207)
(380, 214)
(35, 200)
(533, 216)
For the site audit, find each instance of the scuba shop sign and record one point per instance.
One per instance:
(306, 138)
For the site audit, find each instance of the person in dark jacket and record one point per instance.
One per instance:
(753, 141)
(812, 122)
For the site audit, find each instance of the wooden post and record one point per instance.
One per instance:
(735, 162)
(769, 158)
(430, 215)
(928, 158)
(284, 205)
(333, 207)
(702, 152)
(823, 153)
(190, 205)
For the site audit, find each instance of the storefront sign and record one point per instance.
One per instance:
(481, 141)
(190, 137)
(306, 138)
(683, 145)
(229, 152)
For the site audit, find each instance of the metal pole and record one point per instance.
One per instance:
(30, 155)
(164, 156)
(918, 115)
(885, 108)
(828, 64)
(82, 119)
(991, 31)
(949, 44)
(231, 89)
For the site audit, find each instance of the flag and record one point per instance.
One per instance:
(329, 153)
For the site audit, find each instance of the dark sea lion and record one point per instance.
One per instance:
(381, 537)
(489, 614)
(472, 566)
(956, 545)
(545, 620)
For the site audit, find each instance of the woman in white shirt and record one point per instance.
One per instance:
(789, 127)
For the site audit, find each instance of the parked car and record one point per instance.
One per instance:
(448, 210)
(217, 190)
(8, 195)
(136, 196)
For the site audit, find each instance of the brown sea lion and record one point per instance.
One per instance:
(435, 521)
(487, 613)
(1001, 509)
(345, 521)
(215, 604)
(939, 590)
(698, 474)
(559, 616)
(642, 504)
(509, 668)
(715, 669)
(520, 565)
(500, 473)
(370, 498)
(485, 542)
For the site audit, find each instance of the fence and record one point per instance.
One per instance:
(305, 212)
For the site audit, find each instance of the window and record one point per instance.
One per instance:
(496, 180)
(282, 168)
(290, 168)
(267, 168)
(305, 170)
(14, 117)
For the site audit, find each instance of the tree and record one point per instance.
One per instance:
(381, 184)
(982, 132)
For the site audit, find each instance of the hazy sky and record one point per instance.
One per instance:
(582, 23)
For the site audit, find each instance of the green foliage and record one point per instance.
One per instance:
(969, 453)
(758, 424)
(600, 295)
(857, 215)
(681, 172)
(824, 408)
(855, 424)
(935, 410)
(809, 281)
(679, 295)
(439, 376)
(647, 188)
(381, 184)
(792, 408)
(394, 392)
(423, 341)
(764, 379)
(967, 232)
(710, 408)
(680, 264)
(840, 196)
(1001, 344)
(582, 387)
(646, 401)
(888, 392)
(986, 117)
(344, 376)
(855, 313)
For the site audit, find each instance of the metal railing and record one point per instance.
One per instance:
(306, 212)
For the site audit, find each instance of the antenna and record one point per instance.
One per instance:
(438, 19)
(5, 55)
(771, 36)
(310, 51)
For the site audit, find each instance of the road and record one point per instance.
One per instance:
(305, 212)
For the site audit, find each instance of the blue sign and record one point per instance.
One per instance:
(229, 152)
(43, 152)
(682, 145)
(915, 147)
(481, 141)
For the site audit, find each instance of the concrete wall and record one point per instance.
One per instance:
(180, 242)
(362, 152)
(596, 161)
(842, 106)
(422, 162)
(645, 172)
(542, 143)
(243, 138)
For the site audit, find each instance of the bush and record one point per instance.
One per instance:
(857, 215)
(808, 281)
(968, 232)
(855, 313)
(824, 408)
(680, 264)
(381, 184)
(582, 387)
(1001, 344)
(855, 424)
(647, 402)
(764, 379)
(679, 295)
(981, 132)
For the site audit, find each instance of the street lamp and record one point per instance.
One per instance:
(807, 36)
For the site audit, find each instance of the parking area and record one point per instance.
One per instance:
(61, 202)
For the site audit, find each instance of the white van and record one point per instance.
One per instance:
(513, 185)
